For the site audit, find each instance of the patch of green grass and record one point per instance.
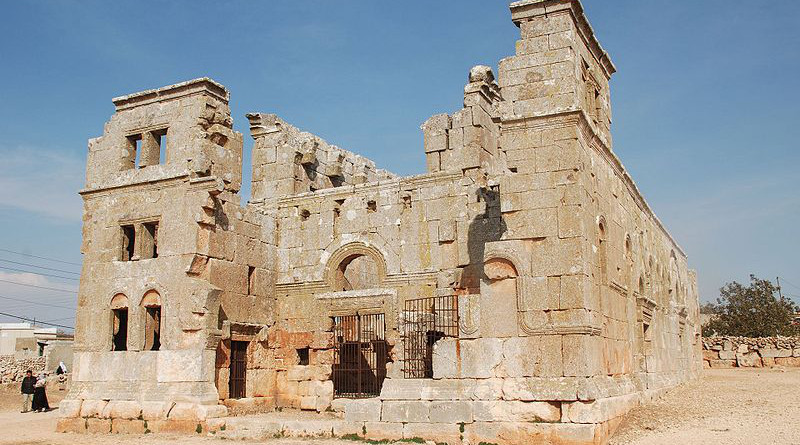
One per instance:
(199, 429)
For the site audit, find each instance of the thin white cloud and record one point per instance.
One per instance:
(42, 181)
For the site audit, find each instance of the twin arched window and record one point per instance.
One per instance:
(151, 309)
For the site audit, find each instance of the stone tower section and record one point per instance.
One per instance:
(172, 263)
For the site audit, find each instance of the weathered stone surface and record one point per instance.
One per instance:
(126, 426)
(515, 411)
(98, 426)
(451, 412)
(367, 410)
(404, 412)
(570, 291)
(383, 430)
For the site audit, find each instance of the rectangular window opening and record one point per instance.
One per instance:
(160, 137)
(134, 151)
(128, 242)
(302, 356)
(150, 240)
(120, 332)
(153, 329)
(251, 275)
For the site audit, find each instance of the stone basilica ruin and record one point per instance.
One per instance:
(520, 291)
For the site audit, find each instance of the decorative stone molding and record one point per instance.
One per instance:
(349, 250)
(646, 308)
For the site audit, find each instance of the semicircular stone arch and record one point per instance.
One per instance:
(355, 266)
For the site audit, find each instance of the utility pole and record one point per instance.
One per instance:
(778, 279)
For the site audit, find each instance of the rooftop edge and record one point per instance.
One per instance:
(205, 84)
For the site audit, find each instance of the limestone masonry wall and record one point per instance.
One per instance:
(744, 352)
(519, 290)
(13, 369)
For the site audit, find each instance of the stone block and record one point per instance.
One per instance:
(452, 389)
(516, 411)
(367, 410)
(379, 431)
(71, 425)
(155, 410)
(476, 358)
(582, 355)
(127, 426)
(774, 353)
(601, 410)
(345, 428)
(402, 389)
(531, 433)
(309, 428)
(93, 408)
(69, 408)
(488, 389)
(788, 361)
(211, 411)
(722, 363)
(726, 355)
(174, 426)
(406, 411)
(122, 409)
(451, 412)
(98, 426)
(308, 403)
(184, 411)
(434, 432)
(748, 360)
(538, 389)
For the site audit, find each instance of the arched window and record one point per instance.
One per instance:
(119, 323)
(357, 271)
(151, 302)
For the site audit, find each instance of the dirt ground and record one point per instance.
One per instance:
(731, 406)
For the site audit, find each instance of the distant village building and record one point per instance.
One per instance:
(21, 337)
(521, 288)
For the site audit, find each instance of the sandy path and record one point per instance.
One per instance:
(728, 407)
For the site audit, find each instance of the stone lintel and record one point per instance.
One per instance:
(527, 9)
(202, 85)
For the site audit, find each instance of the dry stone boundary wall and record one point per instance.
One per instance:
(744, 352)
(13, 369)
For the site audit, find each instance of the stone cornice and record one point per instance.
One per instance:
(202, 85)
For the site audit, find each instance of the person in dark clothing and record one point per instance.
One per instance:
(27, 390)
(40, 394)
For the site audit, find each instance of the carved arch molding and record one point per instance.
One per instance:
(347, 253)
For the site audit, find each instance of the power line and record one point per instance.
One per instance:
(791, 284)
(35, 273)
(36, 321)
(38, 287)
(40, 267)
(36, 302)
(39, 257)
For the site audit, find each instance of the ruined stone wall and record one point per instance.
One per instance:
(287, 161)
(167, 157)
(13, 369)
(744, 352)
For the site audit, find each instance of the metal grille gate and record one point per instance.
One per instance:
(360, 355)
(427, 320)
(237, 381)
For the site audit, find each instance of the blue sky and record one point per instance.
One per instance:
(704, 106)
